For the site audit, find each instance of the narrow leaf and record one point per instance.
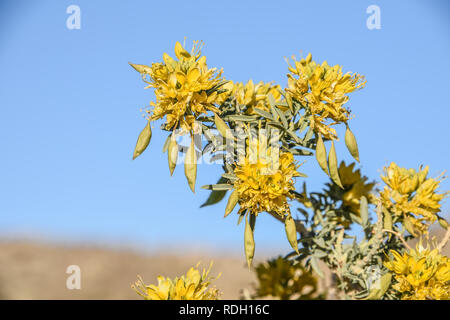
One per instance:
(364, 211)
(289, 101)
(215, 196)
(222, 127)
(263, 113)
(220, 186)
(315, 266)
(387, 219)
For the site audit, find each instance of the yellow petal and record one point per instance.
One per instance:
(180, 52)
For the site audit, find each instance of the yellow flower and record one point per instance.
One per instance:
(285, 280)
(421, 274)
(410, 195)
(264, 184)
(323, 90)
(355, 186)
(184, 88)
(255, 96)
(192, 286)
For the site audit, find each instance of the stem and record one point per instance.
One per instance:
(444, 240)
(298, 224)
(398, 235)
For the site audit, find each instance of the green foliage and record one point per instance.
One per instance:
(197, 100)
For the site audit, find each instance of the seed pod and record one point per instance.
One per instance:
(172, 154)
(332, 162)
(190, 165)
(291, 232)
(443, 222)
(232, 201)
(350, 142)
(321, 154)
(143, 141)
(249, 242)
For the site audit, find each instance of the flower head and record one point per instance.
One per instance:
(411, 195)
(253, 95)
(323, 90)
(265, 180)
(184, 87)
(421, 274)
(355, 186)
(192, 286)
(285, 280)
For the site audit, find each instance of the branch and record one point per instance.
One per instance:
(444, 240)
(398, 235)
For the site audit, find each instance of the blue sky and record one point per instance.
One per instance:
(70, 107)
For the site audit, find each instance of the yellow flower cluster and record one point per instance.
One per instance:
(192, 286)
(184, 88)
(264, 184)
(285, 280)
(323, 90)
(421, 274)
(411, 195)
(255, 95)
(355, 186)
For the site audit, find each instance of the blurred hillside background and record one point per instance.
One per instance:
(69, 191)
